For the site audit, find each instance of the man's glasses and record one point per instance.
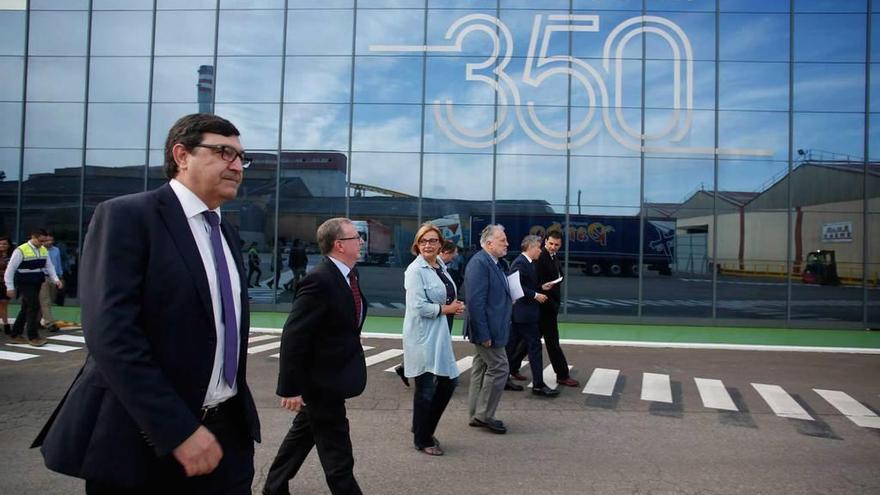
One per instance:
(424, 242)
(227, 153)
(348, 238)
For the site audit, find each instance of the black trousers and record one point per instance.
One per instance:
(549, 328)
(430, 398)
(233, 476)
(320, 424)
(29, 314)
(527, 333)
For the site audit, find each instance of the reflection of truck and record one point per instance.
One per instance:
(377, 241)
(451, 228)
(606, 245)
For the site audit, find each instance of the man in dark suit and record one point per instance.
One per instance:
(487, 326)
(161, 404)
(526, 312)
(322, 363)
(548, 270)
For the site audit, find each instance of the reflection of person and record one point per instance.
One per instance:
(487, 326)
(49, 291)
(427, 341)
(450, 257)
(26, 272)
(253, 257)
(161, 404)
(322, 363)
(297, 260)
(526, 310)
(5, 245)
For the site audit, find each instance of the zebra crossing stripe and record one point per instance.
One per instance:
(258, 338)
(549, 378)
(656, 388)
(79, 339)
(383, 356)
(464, 364)
(367, 348)
(378, 305)
(264, 347)
(613, 302)
(714, 394)
(851, 408)
(595, 302)
(780, 402)
(15, 356)
(398, 305)
(601, 382)
(48, 347)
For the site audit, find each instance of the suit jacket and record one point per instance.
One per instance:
(321, 353)
(488, 301)
(548, 270)
(526, 309)
(149, 327)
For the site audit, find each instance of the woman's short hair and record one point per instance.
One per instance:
(424, 229)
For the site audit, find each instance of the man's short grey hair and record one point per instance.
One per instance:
(328, 232)
(488, 232)
(529, 241)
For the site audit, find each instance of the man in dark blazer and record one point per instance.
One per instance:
(487, 326)
(526, 312)
(322, 363)
(548, 270)
(161, 404)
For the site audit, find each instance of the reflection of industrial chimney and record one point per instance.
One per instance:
(206, 88)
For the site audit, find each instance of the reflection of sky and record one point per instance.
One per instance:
(387, 119)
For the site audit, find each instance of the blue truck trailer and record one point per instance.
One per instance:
(600, 245)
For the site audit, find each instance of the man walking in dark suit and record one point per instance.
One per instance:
(161, 404)
(487, 326)
(526, 314)
(322, 363)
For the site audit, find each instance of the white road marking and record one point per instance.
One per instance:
(780, 402)
(464, 364)
(851, 408)
(48, 347)
(264, 347)
(602, 382)
(69, 338)
(656, 388)
(549, 378)
(714, 394)
(383, 356)
(15, 356)
(258, 338)
(398, 305)
(378, 305)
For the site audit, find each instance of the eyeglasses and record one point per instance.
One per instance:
(423, 242)
(227, 153)
(348, 238)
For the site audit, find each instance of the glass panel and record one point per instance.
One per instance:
(388, 27)
(122, 4)
(841, 134)
(320, 32)
(754, 134)
(464, 178)
(177, 79)
(462, 4)
(11, 32)
(248, 79)
(58, 33)
(9, 163)
(58, 212)
(463, 128)
(698, 5)
(829, 38)
(754, 5)
(447, 81)
(387, 128)
(545, 133)
(600, 184)
(698, 29)
(110, 174)
(754, 37)
(121, 33)
(117, 125)
(11, 69)
(187, 4)
(317, 79)
(753, 86)
(326, 4)
(252, 4)
(371, 4)
(251, 33)
(185, 33)
(831, 6)
(54, 125)
(388, 80)
(535, 182)
(119, 79)
(59, 4)
(10, 126)
(397, 173)
(163, 116)
(476, 43)
(56, 79)
(829, 87)
(662, 90)
(258, 124)
(315, 127)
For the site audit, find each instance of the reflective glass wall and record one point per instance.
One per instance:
(708, 161)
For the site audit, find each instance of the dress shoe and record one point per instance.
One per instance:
(512, 386)
(37, 342)
(399, 370)
(518, 376)
(569, 382)
(18, 339)
(545, 391)
(492, 425)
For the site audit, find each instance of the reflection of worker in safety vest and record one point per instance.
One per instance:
(25, 274)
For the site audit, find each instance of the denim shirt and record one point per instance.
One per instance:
(427, 343)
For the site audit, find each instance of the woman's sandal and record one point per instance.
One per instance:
(432, 450)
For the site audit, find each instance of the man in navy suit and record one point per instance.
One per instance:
(322, 363)
(161, 404)
(526, 313)
(487, 326)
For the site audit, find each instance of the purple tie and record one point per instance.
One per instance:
(230, 353)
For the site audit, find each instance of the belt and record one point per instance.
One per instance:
(210, 413)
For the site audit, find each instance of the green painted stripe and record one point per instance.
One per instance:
(617, 332)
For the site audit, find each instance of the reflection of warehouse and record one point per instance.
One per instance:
(753, 228)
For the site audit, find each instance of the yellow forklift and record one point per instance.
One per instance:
(820, 268)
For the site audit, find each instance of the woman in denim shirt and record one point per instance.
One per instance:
(431, 304)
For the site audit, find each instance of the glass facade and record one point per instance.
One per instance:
(708, 161)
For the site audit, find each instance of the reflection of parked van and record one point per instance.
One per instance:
(377, 241)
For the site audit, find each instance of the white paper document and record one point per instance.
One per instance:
(554, 282)
(516, 290)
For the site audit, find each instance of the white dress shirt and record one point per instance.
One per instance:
(193, 207)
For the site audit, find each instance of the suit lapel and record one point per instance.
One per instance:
(181, 235)
(496, 268)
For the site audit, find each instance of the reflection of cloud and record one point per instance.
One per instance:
(315, 127)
